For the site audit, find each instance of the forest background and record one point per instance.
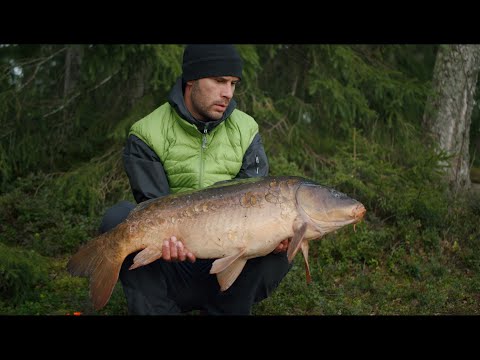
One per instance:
(354, 117)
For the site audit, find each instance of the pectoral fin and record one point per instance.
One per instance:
(299, 229)
(221, 264)
(305, 247)
(228, 276)
(228, 268)
(146, 256)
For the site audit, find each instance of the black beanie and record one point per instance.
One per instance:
(201, 61)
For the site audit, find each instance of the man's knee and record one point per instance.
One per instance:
(270, 269)
(115, 215)
(258, 279)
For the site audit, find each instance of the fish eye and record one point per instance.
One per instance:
(337, 194)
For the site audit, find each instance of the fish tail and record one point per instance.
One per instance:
(100, 261)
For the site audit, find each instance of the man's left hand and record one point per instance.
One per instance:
(283, 246)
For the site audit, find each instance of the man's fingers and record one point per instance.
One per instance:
(190, 257)
(166, 250)
(181, 251)
(282, 246)
(173, 249)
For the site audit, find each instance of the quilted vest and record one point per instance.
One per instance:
(193, 160)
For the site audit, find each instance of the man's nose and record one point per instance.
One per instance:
(227, 91)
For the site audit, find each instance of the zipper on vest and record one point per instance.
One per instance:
(204, 139)
(204, 146)
(257, 160)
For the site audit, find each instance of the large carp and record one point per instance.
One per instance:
(232, 222)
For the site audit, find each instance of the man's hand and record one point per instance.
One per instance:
(173, 250)
(283, 246)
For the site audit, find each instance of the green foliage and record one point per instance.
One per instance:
(360, 275)
(142, 108)
(47, 128)
(54, 215)
(21, 272)
(281, 166)
(163, 61)
(347, 116)
(90, 186)
(412, 237)
(351, 86)
(63, 295)
(35, 216)
(388, 188)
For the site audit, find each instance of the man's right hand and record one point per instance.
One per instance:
(173, 250)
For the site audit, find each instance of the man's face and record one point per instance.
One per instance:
(209, 97)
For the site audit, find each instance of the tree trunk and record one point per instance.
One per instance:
(448, 113)
(137, 84)
(73, 59)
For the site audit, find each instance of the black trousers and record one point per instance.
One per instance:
(164, 288)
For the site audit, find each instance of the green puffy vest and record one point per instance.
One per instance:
(193, 160)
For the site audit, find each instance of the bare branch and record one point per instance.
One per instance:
(61, 107)
(37, 67)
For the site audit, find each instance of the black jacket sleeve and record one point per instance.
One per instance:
(255, 162)
(144, 170)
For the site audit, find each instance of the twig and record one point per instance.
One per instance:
(61, 107)
(37, 67)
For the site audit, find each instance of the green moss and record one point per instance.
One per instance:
(22, 272)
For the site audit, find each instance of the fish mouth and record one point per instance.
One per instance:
(358, 212)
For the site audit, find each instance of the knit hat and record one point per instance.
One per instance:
(201, 61)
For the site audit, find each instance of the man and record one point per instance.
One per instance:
(192, 141)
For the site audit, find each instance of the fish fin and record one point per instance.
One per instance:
(305, 247)
(221, 264)
(146, 256)
(99, 260)
(299, 229)
(102, 283)
(228, 276)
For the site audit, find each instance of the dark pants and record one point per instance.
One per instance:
(162, 287)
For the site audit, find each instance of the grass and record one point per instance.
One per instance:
(426, 264)
(425, 287)
(347, 288)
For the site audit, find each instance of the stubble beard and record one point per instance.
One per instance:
(202, 108)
